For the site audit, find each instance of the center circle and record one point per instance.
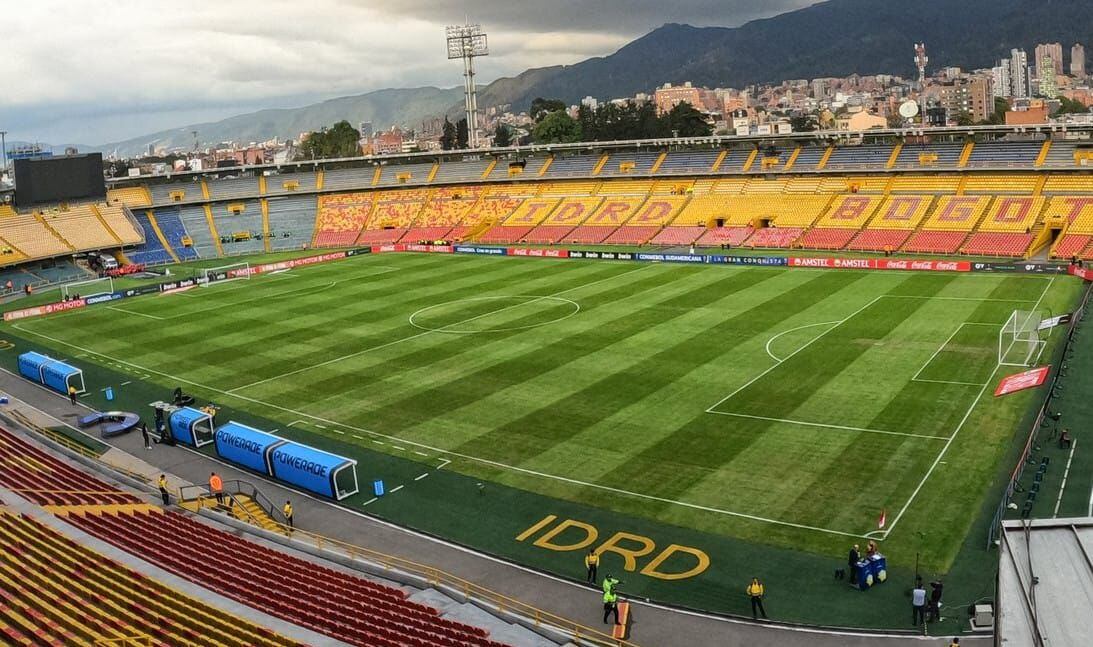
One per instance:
(457, 317)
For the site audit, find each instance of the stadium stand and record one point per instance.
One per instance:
(1002, 184)
(290, 183)
(623, 164)
(233, 188)
(1062, 155)
(332, 602)
(81, 228)
(32, 237)
(291, 221)
(932, 184)
(568, 189)
(572, 166)
(1068, 184)
(950, 224)
(54, 591)
(465, 171)
(929, 155)
(569, 213)
(43, 479)
(176, 192)
(647, 222)
(730, 236)
(1077, 214)
(1002, 154)
(670, 236)
(406, 174)
(152, 252)
(341, 218)
(348, 178)
(859, 158)
(170, 224)
(774, 237)
(240, 227)
(196, 222)
(626, 187)
(808, 158)
(133, 196)
(688, 162)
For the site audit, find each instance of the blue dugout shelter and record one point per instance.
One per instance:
(191, 426)
(315, 470)
(50, 372)
(246, 446)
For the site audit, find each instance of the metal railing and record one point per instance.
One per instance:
(233, 506)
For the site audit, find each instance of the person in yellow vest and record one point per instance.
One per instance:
(216, 487)
(288, 514)
(610, 599)
(72, 394)
(591, 561)
(756, 592)
(163, 489)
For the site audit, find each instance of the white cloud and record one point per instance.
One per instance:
(71, 67)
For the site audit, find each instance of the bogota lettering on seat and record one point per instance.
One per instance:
(567, 212)
(1077, 207)
(851, 208)
(572, 535)
(654, 212)
(1012, 209)
(612, 212)
(901, 209)
(533, 209)
(959, 209)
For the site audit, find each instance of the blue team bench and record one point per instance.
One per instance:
(113, 423)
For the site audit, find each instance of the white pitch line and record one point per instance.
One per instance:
(959, 426)
(946, 382)
(942, 347)
(126, 383)
(358, 437)
(370, 501)
(298, 422)
(396, 489)
(786, 332)
(340, 433)
(427, 332)
(812, 341)
(827, 426)
(1066, 472)
(139, 314)
(422, 476)
(444, 462)
(401, 449)
(420, 453)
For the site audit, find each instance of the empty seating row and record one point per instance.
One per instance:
(152, 251)
(170, 224)
(332, 602)
(44, 479)
(54, 591)
(291, 221)
(232, 188)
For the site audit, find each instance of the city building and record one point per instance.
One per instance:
(1077, 61)
(859, 121)
(973, 97)
(1019, 76)
(1054, 51)
(1048, 87)
(1002, 77)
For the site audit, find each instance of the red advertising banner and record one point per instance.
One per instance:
(287, 265)
(1021, 381)
(544, 253)
(1081, 272)
(881, 264)
(49, 308)
(431, 249)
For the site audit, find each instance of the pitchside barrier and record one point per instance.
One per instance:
(1034, 426)
(244, 270)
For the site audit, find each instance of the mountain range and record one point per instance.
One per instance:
(833, 38)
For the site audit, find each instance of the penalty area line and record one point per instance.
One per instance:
(829, 426)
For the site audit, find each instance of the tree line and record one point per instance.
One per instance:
(613, 122)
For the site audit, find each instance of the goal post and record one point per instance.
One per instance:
(232, 272)
(89, 288)
(1021, 342)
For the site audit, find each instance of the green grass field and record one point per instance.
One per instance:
(782, 407)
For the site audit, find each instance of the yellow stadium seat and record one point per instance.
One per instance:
(615, 211)
(1016, 214)
(850, 211)
(1077, 210)
(532, 211)
(957, 213)
(572, 211)
(901, 212)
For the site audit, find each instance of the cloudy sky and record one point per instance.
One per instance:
(91, 72)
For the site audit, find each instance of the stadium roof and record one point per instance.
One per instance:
(1045, 583)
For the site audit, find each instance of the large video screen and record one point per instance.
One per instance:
(58, 179)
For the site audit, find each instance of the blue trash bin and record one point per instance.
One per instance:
(377, 487)
(109, 394)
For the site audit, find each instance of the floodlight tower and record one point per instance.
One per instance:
(920, 62)
(468, 42)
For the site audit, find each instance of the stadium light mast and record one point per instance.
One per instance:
(468, 42)
(920, 62)
(3, 150)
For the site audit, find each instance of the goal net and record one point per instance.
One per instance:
(1021, 342)
(89, 288)
(233, 272)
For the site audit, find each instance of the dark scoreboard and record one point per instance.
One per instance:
(58, 179)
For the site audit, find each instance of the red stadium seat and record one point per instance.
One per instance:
(879, 240)
(935, 242)
(997, 244)
(774, 237)
(827, 238)
(732, 236)
(678, 236)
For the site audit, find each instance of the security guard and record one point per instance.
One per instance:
(216, 487)
(591, 561)
(163, 489)
(755, 592)
(610, 599)
(72, 394)
(288, 514)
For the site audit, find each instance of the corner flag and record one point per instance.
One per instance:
(883, 519)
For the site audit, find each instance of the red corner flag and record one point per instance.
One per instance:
(883, 519)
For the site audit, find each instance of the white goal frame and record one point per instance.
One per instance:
(1020, 341)
(206, 272)
(71, 288)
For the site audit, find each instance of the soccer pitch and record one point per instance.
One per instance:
(788, 407)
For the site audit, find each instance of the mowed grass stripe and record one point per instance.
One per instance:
(440, 396)
(673, 463)
(888, 469)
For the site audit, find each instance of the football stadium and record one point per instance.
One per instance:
(702, 360)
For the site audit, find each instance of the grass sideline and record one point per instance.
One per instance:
(659, 332)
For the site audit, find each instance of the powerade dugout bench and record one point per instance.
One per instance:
(185, 425)
(50, 372)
